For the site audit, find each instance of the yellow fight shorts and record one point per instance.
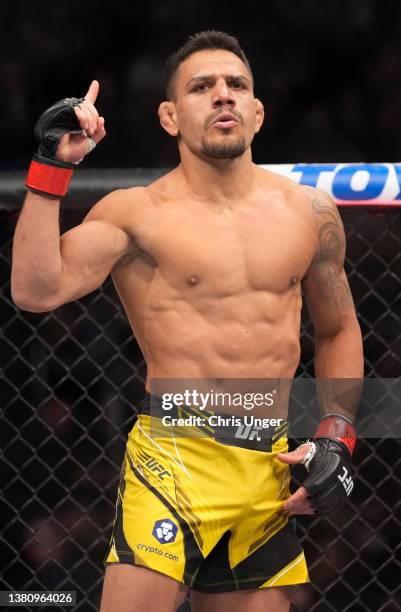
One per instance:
(206, 511)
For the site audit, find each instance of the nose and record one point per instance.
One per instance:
(222, 95)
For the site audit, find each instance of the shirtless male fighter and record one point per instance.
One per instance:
(208, 262)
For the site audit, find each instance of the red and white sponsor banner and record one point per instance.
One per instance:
(353, 184)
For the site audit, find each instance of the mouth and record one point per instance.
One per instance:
(225, 120)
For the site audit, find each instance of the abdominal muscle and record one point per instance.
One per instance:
(254, 334)
(214, 336)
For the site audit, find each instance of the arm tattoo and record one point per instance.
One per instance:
(327, 267)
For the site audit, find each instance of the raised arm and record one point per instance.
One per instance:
(49, 270)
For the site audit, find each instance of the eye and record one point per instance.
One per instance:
(200, 87)
(236, 84)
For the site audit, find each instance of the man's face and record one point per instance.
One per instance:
(215, 112)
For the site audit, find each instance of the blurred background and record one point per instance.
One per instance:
(329, 75)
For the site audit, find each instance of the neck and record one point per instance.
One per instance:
(217, 179)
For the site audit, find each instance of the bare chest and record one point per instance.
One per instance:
(231, 251)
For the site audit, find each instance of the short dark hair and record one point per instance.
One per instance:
(209, 39)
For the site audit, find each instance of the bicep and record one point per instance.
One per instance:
(89, 252)
(325, 285)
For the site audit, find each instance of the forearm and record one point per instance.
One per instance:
(47, 270)
(339, 370)
(37, 265)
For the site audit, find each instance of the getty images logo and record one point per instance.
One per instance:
(165, 531)
(347, 483)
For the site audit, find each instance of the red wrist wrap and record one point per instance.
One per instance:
(337, 428)
(51, 180)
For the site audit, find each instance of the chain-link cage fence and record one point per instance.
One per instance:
(70, 381)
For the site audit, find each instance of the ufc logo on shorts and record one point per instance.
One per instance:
(153, 465)
(248, 432)
(347, 483)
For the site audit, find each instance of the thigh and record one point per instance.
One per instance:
(129, 588)
(255, 600)
(151, 528)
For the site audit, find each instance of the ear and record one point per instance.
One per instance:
(168, 118)
(260, 115)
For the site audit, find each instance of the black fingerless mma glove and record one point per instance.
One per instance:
(48, 175)
(330, 482)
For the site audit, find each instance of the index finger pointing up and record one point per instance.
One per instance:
(92, 92)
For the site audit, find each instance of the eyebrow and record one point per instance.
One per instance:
(211, 77)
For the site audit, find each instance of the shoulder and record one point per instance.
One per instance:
(118, 207)
(167, 189)
(316, 210)
(310, 199)
(328, 224)
(134, 201)
(321, 204)
(292, 195)
(325, 215)
(315, 206)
